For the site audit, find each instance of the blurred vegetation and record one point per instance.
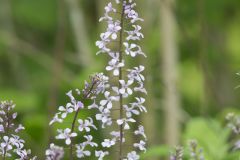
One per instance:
(41, 59)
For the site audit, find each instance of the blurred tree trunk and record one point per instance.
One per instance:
(7, 24)
(202, 51)
(218, 85)
(57, 66)
(170, 71)
(149, 119)
(80, 33)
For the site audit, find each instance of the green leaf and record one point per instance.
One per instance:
(210, 136)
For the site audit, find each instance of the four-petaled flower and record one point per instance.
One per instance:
(74, 103)
(56, 119)
(133, 49)
(6, 145)
(135, 34)
(89, 141)
(108, 143)
(140, 131)
(139, 104)
(135, 73)
(125, 90)
(105, 117)
(140, 145)
(81, 152)
(54, 152)
(101, 154)
(86, 124)
(130, 110)
(132, 156)
(66, 110)
(66, 134)
(114, 65)
(113, 29)
(125, 122)
(108, 100)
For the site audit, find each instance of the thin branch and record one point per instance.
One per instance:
(76, 115)
(80, 33)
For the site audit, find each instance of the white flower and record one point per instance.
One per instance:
(112, 29)
(133, 49)
(135, 34)
(93, 105)
(102, 44)
(66, 134)
(23, 154)
(108, 100)
(89, 139)
(66, 110)
(104, 116)
(130, 111)
(6, 146)
(114, 65)
(2, 130)
(101, 154)
(81, 152)
(140, 145)
(139, 104)
(135, 74)
(108, 8)
(131, 14)
(54, 152)
(86, 124)
(125, 122)
(69, 94)
(140, 131)
(116, 136)
(19, 128)
(17, 142)
(56, 119)
(108, 143)
(132, 156)
(14, 115)
(125, 90)
(74, 103)
(140, 88)
(102, 83)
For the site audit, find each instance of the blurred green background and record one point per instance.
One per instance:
(47, 47)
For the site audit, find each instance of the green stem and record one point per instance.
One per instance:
(120, 77)
(75, 118)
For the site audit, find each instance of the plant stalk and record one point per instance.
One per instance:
(75, 118)
(120, 77)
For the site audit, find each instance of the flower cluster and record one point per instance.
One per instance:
(54, 152)
(233, 122)
(195, 152)
(119, 41)
(177, 154)
(10, 142)
(97, 84)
